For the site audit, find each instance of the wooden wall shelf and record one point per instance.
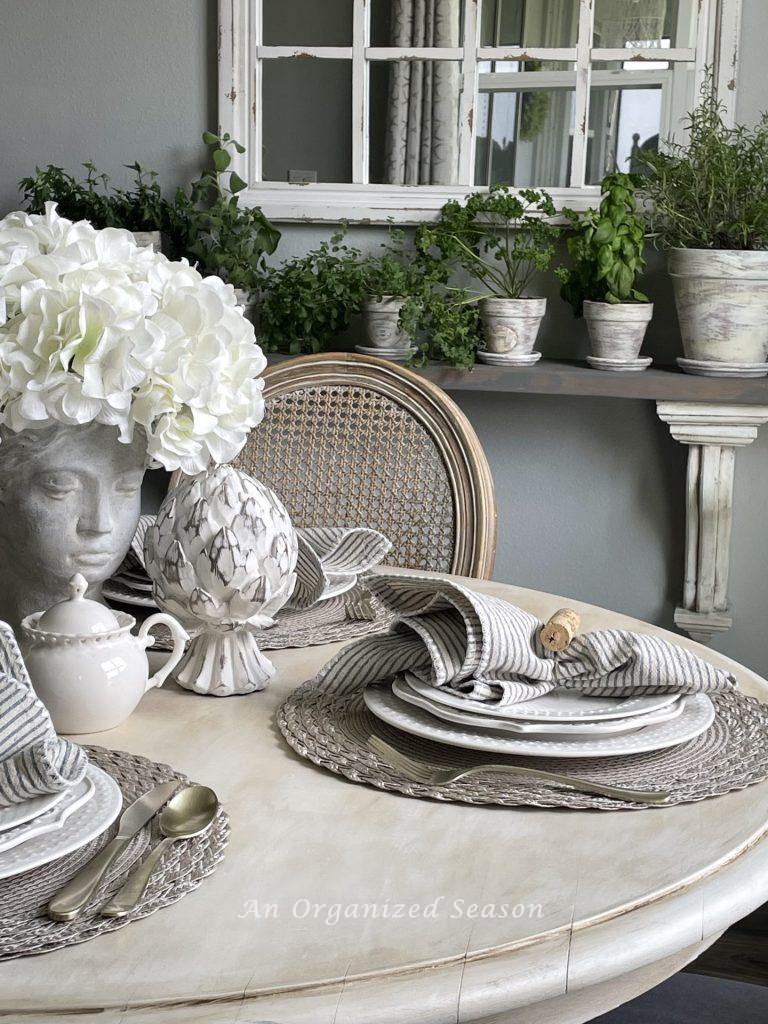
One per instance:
(553, 377)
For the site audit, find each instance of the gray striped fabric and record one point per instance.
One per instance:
(325, 551)
(33, 759)
(490, 651)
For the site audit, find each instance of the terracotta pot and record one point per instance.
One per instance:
(511, 325)
(722, 305)
(617, 330)
(381, 322)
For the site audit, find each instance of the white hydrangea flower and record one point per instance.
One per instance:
(92, 327)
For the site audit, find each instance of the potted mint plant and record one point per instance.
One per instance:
(501, 239)
(710, 211)
(215, 232)
(606, 250)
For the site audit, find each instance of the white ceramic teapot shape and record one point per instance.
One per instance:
(86, 666)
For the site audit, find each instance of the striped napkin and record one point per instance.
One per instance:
(489, 650)
(33, 759)
(329, 552)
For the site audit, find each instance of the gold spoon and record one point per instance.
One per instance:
(189, 813)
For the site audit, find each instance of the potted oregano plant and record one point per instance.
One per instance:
(211, 228)
(140, 209)
(391, 280)
(606, 250)
(501, 239)
(308, 300)
(710, 211)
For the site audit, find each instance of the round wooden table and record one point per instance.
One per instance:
(340, 904)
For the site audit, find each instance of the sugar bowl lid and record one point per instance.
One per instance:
(77, 616)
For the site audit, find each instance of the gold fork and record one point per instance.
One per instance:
(419, 772)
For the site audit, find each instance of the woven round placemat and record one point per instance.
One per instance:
(24, 926)
(325, 623)
(331, 729)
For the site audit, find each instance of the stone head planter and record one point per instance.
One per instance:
(381, 319)
(722, 306)
(70, 498)
(250, 305)
(511, 326)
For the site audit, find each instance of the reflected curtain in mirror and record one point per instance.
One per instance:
(422, 140)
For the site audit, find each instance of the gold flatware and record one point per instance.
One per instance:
(69, 901)
(418, 772)
(188, 814)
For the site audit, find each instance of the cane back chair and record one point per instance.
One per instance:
(350, 440)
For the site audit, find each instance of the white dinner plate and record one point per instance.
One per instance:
(118, 592)
(16, 814)
(74, 798)
(697, 715)
(85, 824)
(566, 730)
(559, 705)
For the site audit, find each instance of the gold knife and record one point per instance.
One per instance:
(69, 901)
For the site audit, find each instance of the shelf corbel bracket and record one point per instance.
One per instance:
(712, 433)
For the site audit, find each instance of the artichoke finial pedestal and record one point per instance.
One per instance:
(222, 556)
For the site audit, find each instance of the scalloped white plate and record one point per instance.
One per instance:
(565, 730)
(697, 716)
(75, 797)
(84, 825)
(16, 814)
(559, 705)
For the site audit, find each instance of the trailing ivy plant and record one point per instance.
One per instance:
(212, 230)
(500, 238)
(606, 248)
(711, 193)
(310, 299)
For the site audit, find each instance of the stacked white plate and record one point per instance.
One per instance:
(44, 828)
(131, 584)
(563, 723)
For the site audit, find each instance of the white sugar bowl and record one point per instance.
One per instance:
(86, 666)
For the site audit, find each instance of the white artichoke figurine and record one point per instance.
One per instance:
(222, 554)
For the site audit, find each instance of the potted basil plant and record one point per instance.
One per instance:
(710, 210)
(606, 250)
(501, 239)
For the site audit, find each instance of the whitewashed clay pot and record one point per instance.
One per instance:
(381, 320)
(222, 556)
(250, 305)
(722, 307)
(511, 326)
(617, 330)
(153, 239)
(86, 666)
(70, 498)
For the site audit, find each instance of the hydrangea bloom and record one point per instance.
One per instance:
(96, 328)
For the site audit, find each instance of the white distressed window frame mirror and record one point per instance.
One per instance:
(241, 61)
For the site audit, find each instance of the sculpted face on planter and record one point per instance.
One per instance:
(70, 499)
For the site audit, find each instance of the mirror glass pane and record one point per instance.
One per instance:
(414, 122)
(420, 23)
(301, 23)
(529, 22)
(525, 124)
(307, 119)
(620, 23)
(624, 122)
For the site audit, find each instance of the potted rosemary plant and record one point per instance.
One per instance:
(710, 210)
(500, 239)
(606, 250)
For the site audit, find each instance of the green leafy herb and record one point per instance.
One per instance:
(606, 248)
(713, 192)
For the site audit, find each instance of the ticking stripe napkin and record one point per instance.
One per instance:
(328, 551)
(489, 650)
(33, 759)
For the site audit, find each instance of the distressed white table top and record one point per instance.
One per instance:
(553, 911)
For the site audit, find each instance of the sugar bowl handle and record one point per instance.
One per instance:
(180, 639)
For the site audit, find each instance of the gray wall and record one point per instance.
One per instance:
(590, 491)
